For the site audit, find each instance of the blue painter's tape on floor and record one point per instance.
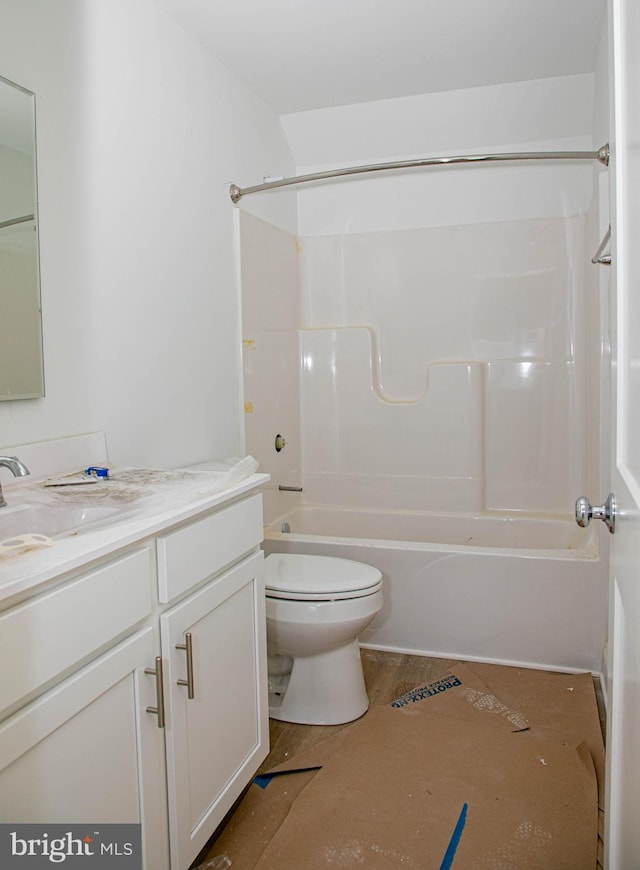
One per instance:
(450, 854)
(263, 779)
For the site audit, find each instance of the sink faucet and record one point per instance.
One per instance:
(17, 468)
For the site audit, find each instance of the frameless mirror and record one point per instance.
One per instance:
(21, 360)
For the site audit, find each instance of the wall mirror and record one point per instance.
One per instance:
(21, 358)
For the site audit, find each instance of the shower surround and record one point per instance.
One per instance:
(443, 368)
(440, 368)
(433, 371)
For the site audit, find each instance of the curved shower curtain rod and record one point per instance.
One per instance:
(602, 154)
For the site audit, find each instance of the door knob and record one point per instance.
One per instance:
(585, 512)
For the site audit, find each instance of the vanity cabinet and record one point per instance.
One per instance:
(216, 720)
(46, 637)
(214, 656)
(82, 736)
(87, 752)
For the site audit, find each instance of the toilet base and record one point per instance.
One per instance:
(324, 689)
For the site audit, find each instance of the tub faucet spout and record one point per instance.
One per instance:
(17, 468)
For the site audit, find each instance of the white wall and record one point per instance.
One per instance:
(544, 115)
(140, 133)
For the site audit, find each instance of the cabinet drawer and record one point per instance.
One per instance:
(48, 635)
(202, 549)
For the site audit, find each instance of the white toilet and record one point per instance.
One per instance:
(316, 608)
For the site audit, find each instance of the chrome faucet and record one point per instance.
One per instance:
(17, 468)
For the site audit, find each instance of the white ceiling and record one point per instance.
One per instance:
(309, 54)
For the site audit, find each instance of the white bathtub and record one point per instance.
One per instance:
(513, 588)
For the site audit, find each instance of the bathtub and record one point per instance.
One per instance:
(512, 588)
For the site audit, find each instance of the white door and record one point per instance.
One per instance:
(622, 832)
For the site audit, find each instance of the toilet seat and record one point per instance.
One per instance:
(298, 577)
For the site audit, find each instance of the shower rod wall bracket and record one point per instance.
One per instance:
(602, 155)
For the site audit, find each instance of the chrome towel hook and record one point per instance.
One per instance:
(600, 257)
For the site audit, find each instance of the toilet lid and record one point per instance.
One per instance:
(313, 578)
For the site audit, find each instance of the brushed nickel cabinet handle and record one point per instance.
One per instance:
(188, 646)
(157, 672)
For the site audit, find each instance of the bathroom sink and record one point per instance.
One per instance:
(51, 521)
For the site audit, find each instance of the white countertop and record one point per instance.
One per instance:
(162, 503)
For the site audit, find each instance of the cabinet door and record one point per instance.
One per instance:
(88, 752)
(216, 740)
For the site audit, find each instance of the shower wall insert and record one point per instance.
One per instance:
(475, 566)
